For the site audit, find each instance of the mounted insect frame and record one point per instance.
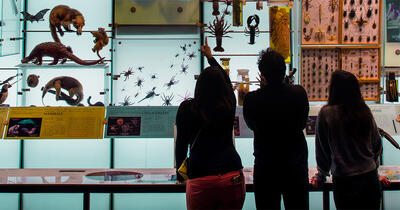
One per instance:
(361, 22)
(393, 20)
(156, 12)
(317, 65)
(365, 63)
(320, 22)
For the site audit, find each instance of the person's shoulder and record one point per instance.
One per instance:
(252, 95)
(297, 88)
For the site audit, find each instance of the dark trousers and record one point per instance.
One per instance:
(357, 192)
(269, 186)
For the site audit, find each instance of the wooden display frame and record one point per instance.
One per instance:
(308, 84)
(323, 22)
(378, 27)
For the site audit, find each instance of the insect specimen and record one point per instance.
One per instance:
(307, 37)
(346, 24)
(191, 55)
(320, 13)
(307, 18)
(150, 94)
(219, 28)
(307, 4)
(333, 5)
(176, 55)
(329, 29)
(139, 82)
(351, 39)
(136, 95)
(374, 38)
(184, 68)
(140, 68)
(352, 2)
(167, 99)
(344, 13)
(331, 37)
(360, 22)
(153, 76)
(369, 2)
(252, 30)
(359, 38)
(126, 102)
(128, 73)
(376, 11)
(319, 35)
(345, 2)
(352, 14)
(333, 18)
(184, 48)
(171, 82)
(374, 25)
(369, 13)
(361, 1)
(368, 39)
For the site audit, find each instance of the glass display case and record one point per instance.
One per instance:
(10, 27)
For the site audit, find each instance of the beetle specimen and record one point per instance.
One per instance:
(374, 38)
(361, 1)
(128, 73)
(333, 5)
(167, 99)
(369, 13)
(351, 39)
(344, 13)
(307, 4)
(139, 82)
(352, 14)
(171, 82)
(359, 38)
(360, 22)
(368, 39)
(346, 25)
(352, 2)
(374, 25)
(307, 37)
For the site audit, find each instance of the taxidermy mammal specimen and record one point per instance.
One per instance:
(57, 51)
(72, 85)
(63, 15)
(38, 17)
(100, 41)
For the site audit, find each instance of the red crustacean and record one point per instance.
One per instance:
(219, 28)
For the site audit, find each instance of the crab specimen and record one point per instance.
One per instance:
(167, 99)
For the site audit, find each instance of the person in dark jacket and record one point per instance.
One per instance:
(205, 123)
(348, 144)
(277, 114)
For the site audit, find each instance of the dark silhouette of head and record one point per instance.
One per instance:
(214, 97)
(272, 66)
(354, 114)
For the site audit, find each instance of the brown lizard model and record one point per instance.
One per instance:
(57, 51)
(100, 41)
(63, 15)
(72, 85)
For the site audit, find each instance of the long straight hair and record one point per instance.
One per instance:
(344, 92)
(214, 97)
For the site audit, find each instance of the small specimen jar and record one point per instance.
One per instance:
(243, 84)
(237, 13)
(225, 64)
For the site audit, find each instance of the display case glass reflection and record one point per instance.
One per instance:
(393, 20)
(10, 27)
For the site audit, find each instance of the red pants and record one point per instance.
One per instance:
(225, 191)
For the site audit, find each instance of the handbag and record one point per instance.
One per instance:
(182, 170)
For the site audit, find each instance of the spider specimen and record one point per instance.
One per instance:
(184, 68)
(126, 102)
(126, 74)
(191, 55)
(185, 97)
(167, 99)
(171, 82)
(139, 82)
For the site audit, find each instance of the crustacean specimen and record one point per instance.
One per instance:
(252, 30)
(219, 28)
(128, 73)
(171, 82)
(126, 102)
(215, 8)
(280, 32)
(150, 94)
(167, 99)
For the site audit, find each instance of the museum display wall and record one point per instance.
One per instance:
(150, 63)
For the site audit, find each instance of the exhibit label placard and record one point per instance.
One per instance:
(141, 122)
(55, 123)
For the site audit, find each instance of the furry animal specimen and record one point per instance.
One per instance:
(100, 41)
(57, 51)
(72, 85)
(63, 15)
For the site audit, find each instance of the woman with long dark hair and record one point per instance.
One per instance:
(205, 123)
(348, 145)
